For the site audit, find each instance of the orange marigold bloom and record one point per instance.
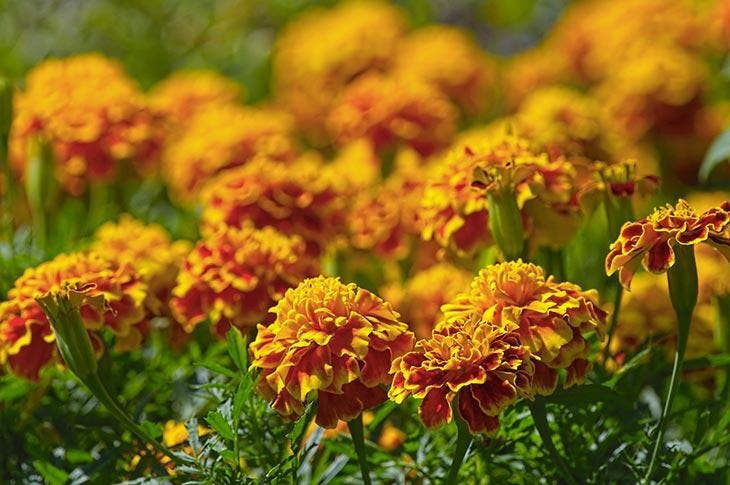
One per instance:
(148, 249)
(486, 365)
(234, 275)
(390, 110)
(331, 339)
(448, 58)
(185, 93)
(323, 51)
(531, 70)
(650, 240)
(27, 341)
(303, 197)
(553, 319)
(240, 134)
(420, 298)
(93, 115)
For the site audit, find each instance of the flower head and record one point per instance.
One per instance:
(240, 134)
(392, 111)
(149, 250)
(93, 115)
(234, 275)
(650, 240)
(485, 365)
(334, 340)
(304, 197)
(553, 319)
(26, 336)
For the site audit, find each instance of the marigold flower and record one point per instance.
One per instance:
(420, 298)
(93, 115)
(149, 250)
(553, 319)
(323, 51)
(303, 197)
(485, 365)
(530, 70)
(448, 58)
(390, 111)
(26, 337)
(185, 93)
(240, 134)
(650, 240)
(331, 339)
(234, 275)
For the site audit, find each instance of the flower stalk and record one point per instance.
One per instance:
(358, 441)
(505, 222)
(6, 118)
(539, 416)
(463, 441)
(38, 179)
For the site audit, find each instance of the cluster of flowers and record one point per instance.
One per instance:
(356, 167)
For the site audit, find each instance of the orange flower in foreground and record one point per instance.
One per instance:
(392, 111)
(486, 365)
(553, 319)
(149, 250)
(334, 340)
(26, 337)
(234, 275)
(650, 240)
(239, 135)
(304, 197)
(93, 115)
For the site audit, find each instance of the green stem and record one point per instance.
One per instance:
(463, 440)
(614, 319)
(539, 416)
(358, 440)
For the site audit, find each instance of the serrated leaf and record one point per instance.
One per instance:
(193, 438)
(238, 400)
(237, 349)
(301, 425)
(51, 474)
(217, 368)
(718, 152)
(153, 430)
(220, 425)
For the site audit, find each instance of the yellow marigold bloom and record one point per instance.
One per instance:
(174, 436)
(531, 70)
(392, 111)
(303, 197)
(185, 93)
(94, 116)
(334, 340)
(657, 90)
(454, 207)
(27, 341)
(553, 319)
(240, 134)
(486, 365)
(149, 250)
(322, 51)
(650, 240)
(448, 58)
(386, 219)
(357, 165)
(234, 275)
(420, 298)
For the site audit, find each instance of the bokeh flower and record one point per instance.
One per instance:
(304, 198)
(240, 134)
(553, 319)
(486, 366)
(149, 250)
(234, 275)
(334, 341)
(393, 111)
(26, 337)
(649, 241)
(92, 114)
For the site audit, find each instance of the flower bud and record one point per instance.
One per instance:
(505, 222)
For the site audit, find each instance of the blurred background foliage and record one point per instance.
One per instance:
(154, 38)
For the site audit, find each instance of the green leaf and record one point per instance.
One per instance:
(220, 425)
(217, 368)
(237, 349)
(585, 394)
(718, 152)
(51, 474)
(301, 425)
(153, 430)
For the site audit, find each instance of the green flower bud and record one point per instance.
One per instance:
(505, 222)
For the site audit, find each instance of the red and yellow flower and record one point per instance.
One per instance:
(553, 319)
(234, 275)
(485, 365)
(333, 341)
(92, 114)
(649, 240)
(26, 337)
